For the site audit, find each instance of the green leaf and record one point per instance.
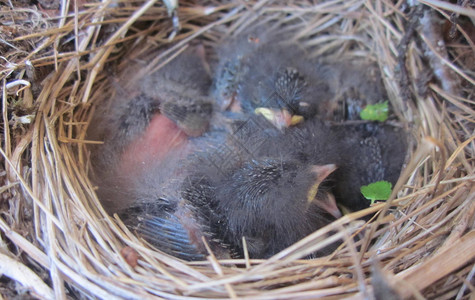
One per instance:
(375, 112)
(380, 190)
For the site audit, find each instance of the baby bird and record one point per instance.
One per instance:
(149, 123)
(370, 152)
(260, 191)
(264, 73)
(274, 203)
(261, 72)
(148, 134)
(363, 154)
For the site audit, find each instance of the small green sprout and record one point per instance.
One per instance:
(375, 112)
(380, 190)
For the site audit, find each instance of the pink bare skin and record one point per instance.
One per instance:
(161, 138)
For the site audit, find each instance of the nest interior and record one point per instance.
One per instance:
(59, 59)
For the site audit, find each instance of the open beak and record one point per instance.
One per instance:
(325, 201)
(279, 118)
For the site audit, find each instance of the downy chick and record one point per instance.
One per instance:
(274, 203)
(148, 123)
(269, 74)
(262, 192)
(148, 135)
(363, 154)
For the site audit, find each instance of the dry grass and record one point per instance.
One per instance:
(57, 241)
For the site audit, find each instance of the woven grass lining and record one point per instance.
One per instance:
(57, 241)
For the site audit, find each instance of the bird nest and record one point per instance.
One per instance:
(60, 58)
